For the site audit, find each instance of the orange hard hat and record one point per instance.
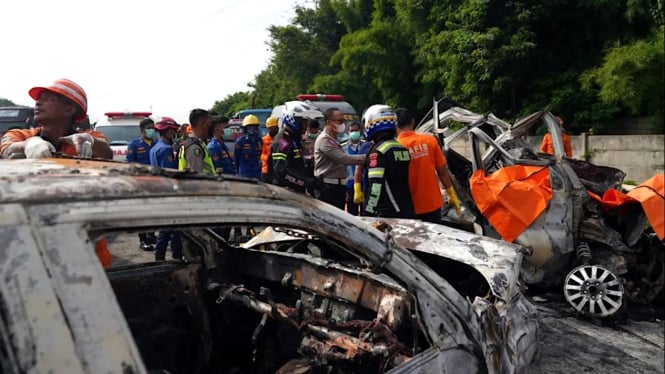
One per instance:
(68, 89)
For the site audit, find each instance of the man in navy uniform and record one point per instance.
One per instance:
(248, 149)
(161, 155)
(138, 150)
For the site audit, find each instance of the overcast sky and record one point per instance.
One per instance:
(168, 55)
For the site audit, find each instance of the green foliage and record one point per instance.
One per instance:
(232, 104)
(588, 61)
(631, 75)
(6, 102)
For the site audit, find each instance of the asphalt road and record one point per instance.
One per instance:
(569, 344)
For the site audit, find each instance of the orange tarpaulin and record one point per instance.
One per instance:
(512, 197)
(651, 194)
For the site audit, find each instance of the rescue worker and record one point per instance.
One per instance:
(161, 155)
(286, 163)
(426, 169)
(57, 109)
(330, 160)
(219, 152)
(354, 146)
(387, 165)
(193, 154)
(248, 149)
(138, 150)
(273, 129)
(546, 144)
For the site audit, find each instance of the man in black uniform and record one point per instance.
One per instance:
(387, 165)
(286, 162)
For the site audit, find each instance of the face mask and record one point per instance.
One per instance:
(227, 133)
(340, 128)
(313, 136)
(149, 133)
(354, 135)
(252, 130)
(175, 139)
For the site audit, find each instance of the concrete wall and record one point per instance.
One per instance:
(639, 156)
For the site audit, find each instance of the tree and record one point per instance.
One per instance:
(232, 104)
(6, 102)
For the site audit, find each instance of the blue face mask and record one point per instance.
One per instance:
(150, 133)
(354, 135)
(175, 139)
(227, 133)
(252, 130)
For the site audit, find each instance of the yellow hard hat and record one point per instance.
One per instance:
(250, 120)
(271, 122)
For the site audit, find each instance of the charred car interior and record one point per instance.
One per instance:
(282, 308)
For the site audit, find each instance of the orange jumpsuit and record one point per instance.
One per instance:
(265, 153)
(546, 145)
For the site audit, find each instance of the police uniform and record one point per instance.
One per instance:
(193, 155)
(388, 193)
(161, 155)
(330, 162)
(247, 155)
(287, 164)
(138, 150)
(221, 158)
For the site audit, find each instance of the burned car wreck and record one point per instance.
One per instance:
(587, 235)
(316, 290)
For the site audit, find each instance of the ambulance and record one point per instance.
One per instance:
(120, 129)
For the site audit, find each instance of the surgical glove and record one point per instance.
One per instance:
(452, 198)
(36, 147)
(358, 195)
(83, 143)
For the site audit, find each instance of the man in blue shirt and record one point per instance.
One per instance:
(138, 150)
(219, 152)
(354, 146)
(248, 149)
(161, 155)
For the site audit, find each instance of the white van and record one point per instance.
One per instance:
(120, 129)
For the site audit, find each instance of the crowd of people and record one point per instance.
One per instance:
(384, 169)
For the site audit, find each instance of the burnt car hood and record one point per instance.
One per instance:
(498, 261)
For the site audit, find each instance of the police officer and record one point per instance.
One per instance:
(219, 152)
(286, 162)
(354, 146)
(138, 150)
(248, 149)
(193, 154)
(161, 155)
(330, 160)
(387, 165)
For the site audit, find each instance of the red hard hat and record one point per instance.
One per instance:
(68, 89)
(166, 123)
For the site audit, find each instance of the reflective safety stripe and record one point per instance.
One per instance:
(279, 156)
(383, 148)
(376, 172)
(391, 197)
(72, 92)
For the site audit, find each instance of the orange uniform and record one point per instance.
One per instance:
(265, 153)
(426, 157)
(19, 135)
(546, 145)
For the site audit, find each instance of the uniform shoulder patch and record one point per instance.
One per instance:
(283, 144)
(373, 159)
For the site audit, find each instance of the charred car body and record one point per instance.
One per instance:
(336, 295)
(601, 256)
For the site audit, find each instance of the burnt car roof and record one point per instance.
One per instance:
(81, 179)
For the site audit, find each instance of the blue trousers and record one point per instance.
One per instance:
(163, 239)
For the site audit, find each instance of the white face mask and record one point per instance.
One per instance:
(340, 128)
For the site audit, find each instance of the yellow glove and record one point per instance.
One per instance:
(452, 198)
(358, 195)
